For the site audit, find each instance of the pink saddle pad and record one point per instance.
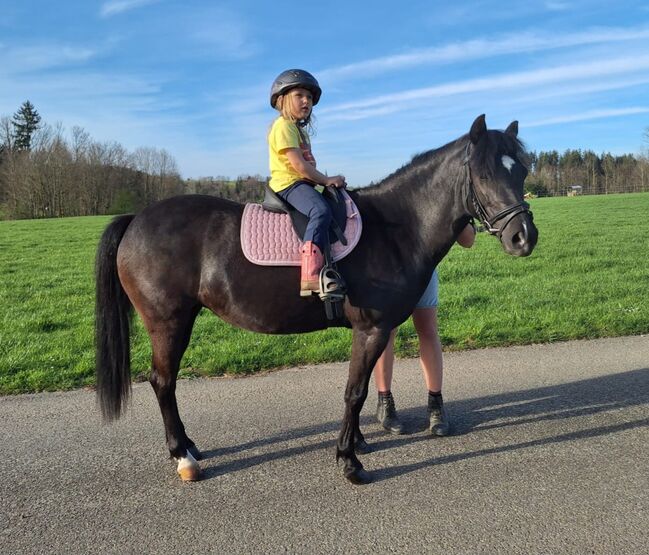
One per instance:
(268, 238)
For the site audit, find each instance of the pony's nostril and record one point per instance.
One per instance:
(520, 239)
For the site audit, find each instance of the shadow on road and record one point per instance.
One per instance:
(387, 473)
(558, 402)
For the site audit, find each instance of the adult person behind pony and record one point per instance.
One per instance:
(424, 317)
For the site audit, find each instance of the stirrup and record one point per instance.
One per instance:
(332, 285)
(332, 288)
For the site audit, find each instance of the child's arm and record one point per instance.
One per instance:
(308, 171)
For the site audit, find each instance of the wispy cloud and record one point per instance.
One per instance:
(482, 48)
(580, 89)
(82, 90)
(548, 76)
(24, 59)
(114, 7)
(589, 115)
(558, 6)
(224, 34)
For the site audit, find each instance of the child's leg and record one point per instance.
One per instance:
(304, 198)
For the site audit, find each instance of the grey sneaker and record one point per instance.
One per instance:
(439, 420)
(386, 414)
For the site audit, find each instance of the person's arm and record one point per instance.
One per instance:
(308, 171)
(466, 238)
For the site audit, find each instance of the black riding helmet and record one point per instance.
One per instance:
(291, 79)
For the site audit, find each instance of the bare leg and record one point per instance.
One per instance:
(384, 366)
(430, 347)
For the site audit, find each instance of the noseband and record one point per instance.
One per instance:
(489, 222)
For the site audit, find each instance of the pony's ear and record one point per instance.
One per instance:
(512, 129)
(478, 129)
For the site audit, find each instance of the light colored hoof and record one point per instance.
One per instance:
(189, 474)
(188, 469)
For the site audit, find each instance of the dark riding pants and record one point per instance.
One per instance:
(305, 199)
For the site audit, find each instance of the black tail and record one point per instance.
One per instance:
(112, 315)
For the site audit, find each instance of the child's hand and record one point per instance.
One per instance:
(337, 181)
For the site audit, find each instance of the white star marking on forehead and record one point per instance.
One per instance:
(508, 162)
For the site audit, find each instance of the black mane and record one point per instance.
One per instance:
(491, 148)
(416, 163)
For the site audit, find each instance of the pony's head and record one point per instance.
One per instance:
(497, 167)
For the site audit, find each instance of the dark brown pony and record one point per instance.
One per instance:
(183, 254)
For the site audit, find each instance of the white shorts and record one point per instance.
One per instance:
(429, 298)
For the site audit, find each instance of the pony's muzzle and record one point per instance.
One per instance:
(521, 236)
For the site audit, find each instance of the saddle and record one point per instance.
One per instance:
(272, 232)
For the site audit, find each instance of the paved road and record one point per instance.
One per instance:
(550, 456)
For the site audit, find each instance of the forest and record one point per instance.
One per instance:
(46, 172)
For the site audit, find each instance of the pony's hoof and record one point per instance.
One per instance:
(188, 469)
(358, 477)
(189, 474)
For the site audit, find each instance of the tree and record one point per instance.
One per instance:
(593, 171)
(547, 170)
(25, 122)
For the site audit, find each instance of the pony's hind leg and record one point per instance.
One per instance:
(169, 339)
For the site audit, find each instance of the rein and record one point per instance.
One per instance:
(480, 212)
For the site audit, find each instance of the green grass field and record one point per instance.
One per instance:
(588, 277)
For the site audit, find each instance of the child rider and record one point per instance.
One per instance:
(293, 173)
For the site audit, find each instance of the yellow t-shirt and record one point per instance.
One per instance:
(284, 134)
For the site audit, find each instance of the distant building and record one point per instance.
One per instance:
(575, 190)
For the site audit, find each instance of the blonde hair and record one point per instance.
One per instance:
(286, 110)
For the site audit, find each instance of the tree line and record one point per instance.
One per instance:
(44, 173)
(554, 173)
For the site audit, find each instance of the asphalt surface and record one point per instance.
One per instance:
(550, 455)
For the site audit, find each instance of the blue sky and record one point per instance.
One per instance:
(398, 77)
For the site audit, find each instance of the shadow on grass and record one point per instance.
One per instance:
(595, 396)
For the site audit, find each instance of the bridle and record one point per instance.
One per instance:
(479, 211)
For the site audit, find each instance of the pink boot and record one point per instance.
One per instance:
(312, 263)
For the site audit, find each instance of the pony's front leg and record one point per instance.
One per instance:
(367, 346)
